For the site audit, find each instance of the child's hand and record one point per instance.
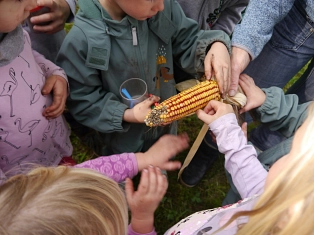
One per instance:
(56, 18)
(213, 111)
(58, 86)
(162, 151)
(255, 96)
(217, 63)
(138, 113)
(143, 202)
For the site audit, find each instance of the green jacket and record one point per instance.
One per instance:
(282, 112)
(99, 54)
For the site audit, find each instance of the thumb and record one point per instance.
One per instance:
(152, 100)
(129, 189)
(203, 116)
(172, 166)
(47, 88)
(234, 84)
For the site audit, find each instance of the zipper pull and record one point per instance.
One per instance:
(134, 36)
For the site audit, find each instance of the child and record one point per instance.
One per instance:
(31, 128)
(215, 15)
(81, 201)
(284, 201)
(112, 41)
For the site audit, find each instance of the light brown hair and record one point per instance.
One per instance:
(62, 201)
(286, 207)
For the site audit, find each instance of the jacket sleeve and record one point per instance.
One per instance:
(190, 45)
(230, 16)
(257, 24)
(117, 167)
(282, 112)
(89, 103)
(248, 175)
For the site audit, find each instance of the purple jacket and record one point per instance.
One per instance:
(27, 138)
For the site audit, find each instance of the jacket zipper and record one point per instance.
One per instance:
(134, 36)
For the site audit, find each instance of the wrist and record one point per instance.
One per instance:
(128, 115)
(143, 226)
(141, 159)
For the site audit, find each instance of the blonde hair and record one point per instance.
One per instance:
(62, 201)
(286, 207)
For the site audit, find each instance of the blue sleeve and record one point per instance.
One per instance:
(257, 25)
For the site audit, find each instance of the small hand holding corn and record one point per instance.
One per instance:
(138, 112)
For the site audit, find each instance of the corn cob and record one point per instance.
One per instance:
(183, 104)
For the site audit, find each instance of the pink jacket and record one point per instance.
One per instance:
(26, 137)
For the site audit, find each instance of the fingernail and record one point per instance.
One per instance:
(150, 166)
(145, 170)
(232, 92)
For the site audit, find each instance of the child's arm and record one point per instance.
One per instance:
(120, 166)
(56, 83)
(277, 110)
(241, 160)
(143, 202)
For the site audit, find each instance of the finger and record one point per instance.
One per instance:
(48, 86)
(162, 184)
(129, 189)
(51, 28)
(234, 82)
(204, 116)
(175, 143)
(152, 100)
(43, 18)
(208, 63)
(245, 83)
(152, 180)
(225, 80)
(46, 3)
(219, 74)
(53, 111)
(144, 182)
(172, 166)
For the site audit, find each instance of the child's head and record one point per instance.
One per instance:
(62, 200)
(13, 12)
(287, 204)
